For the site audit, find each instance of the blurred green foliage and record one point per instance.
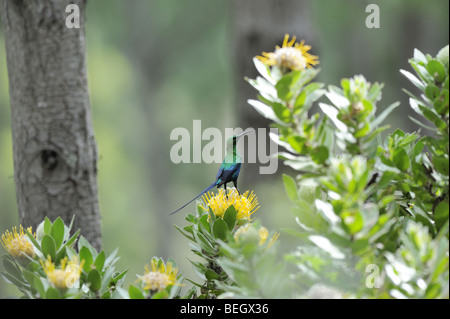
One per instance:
(55, 270)
(363, 203)
(157, 65)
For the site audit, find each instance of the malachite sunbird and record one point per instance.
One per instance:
(228, 171)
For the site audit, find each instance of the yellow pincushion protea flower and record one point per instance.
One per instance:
(17, 243)
(292, 55)
(159, 276)
(66, 275)
(245, 204)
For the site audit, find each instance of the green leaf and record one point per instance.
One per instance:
(220, 229)
(29, 276)
(119, 275)
(374, 93)
(442, 56)
(263, 70)
(370, 215)
(212, 216)
(441, 164)
(191, 293)
(94, 279)
(229, 217)
(326, 245)
(13, 280)
(299, 102)
(401, 159)
(86, 255)
(33, 267)
(319, 154)
(60, 254)
(428, 127)
(363, 131)
(71, 223)
(163, 294)
(33, 239)
(111, 259)
(413, 79)
(12, 267)
(332, 113)
(437, 70)
(52, 293)
(100, 261)
(380, 118)
(336, 97)
(135, 293)
(365, 111)
(204, 243)
(191, 218)
(265, 111)
(423, 73)
(433, 117)
(353, 221)
(203, 221)
(282, 112)
(71, 253)
(107, 279)
(83, 242)
(432, 91)
(48, 246)
(39, 286)
(297, 143)
(418, 147)
(285, 84)
(72, 239)
(419, 56)
(184, 230)
(441, 103)
(327, 212)
(345, 84)
(171, 260)
(57, 232)
(401, 139)
(291, 187)
(311, 93)
(441, 214)
(47, 225)
(211, 275)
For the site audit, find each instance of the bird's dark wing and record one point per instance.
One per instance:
(219, 173)
(227, 174)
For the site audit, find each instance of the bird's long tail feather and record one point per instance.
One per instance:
(204, 191)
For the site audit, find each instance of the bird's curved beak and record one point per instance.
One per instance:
(250, 130)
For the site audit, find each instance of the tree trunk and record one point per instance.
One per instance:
(55, 155)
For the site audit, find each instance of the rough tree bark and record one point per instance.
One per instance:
(55, 156)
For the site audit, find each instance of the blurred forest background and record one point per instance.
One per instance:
(157, 65)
